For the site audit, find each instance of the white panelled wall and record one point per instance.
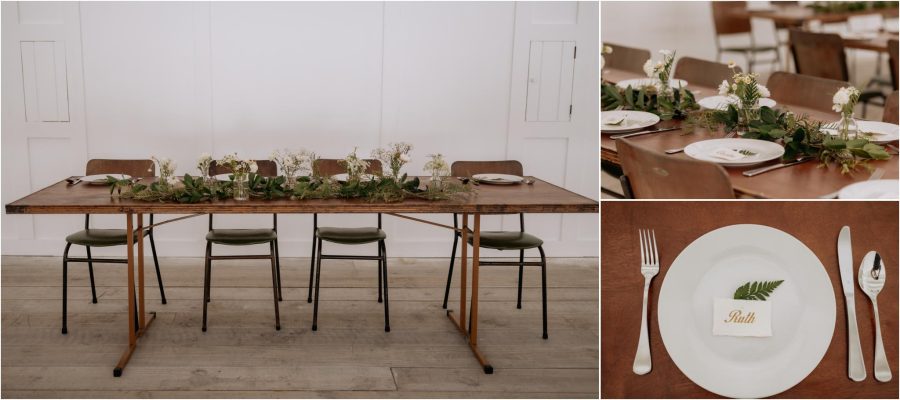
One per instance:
(471, 80)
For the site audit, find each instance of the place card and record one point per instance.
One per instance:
(727, 154)
(742, 318)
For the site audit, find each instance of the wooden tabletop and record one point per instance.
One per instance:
(797, 15)
(873, 227)
(879, 43)
(807, 180)
(539, 197)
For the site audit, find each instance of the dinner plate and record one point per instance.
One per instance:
(638, 83)
(882, 132)
(722, 102)
(714, 266)
(875, 189)
(344, 177)
(498, 179)
(859, 35)
(761, 150)
(631, 121)
(100, 179)
(222, 177)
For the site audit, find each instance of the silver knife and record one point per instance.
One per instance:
(628, 135)
(753, 172)
(856, 368)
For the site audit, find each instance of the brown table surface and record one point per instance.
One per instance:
(797, 15)
(879, 43)
(806, 180)
(873, 227)
(540, 197)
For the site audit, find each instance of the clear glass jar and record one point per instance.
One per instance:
(848, 127)
(241, 187)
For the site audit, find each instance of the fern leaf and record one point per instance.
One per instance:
(756, 290)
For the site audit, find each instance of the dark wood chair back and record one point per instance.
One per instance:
(654, 175)
(819, 54)
(703, 73)
(332, 166)
(890, 109)
(803, 90)
(469, 168)
(626, 58)
(730, 17)
(135, 168)
(267, 168)
(893, 47)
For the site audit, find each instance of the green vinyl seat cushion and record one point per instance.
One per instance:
(100, 237)
(240, 237)
(508, 240)
(350, 235)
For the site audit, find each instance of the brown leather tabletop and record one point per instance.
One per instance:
(873, 227)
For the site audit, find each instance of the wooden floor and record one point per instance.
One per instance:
(242, 355)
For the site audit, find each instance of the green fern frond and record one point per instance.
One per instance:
(756, 290)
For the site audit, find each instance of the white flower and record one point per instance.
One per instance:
(205, 156)
(667, 53)
(723, 88)
(648, 68)
(734, 87)
(405, 158)
(731, 64)
(607, 50)
(763, 91)
(171, 180)
(253, 167)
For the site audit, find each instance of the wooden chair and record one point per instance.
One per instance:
(347, 236)
(244, 237)
(893, 46)
(703, 73)
(804, 90)
(626, 58)
(822, 55)
(106, 237)
(501, 240)
(730, 17)
(890, 109)
(653, 175)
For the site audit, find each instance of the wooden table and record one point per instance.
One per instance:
(879, 43)
(539, 197)
(806, 180)
(797, 15)
(873, 227)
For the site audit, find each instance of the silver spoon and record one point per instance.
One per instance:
(871, 279)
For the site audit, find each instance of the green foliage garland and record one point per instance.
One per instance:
(647, 99)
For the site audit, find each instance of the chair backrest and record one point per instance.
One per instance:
(893, 47)
(135, 168)
(266, 168)
(890, 109)
(332, 166)
(819, 54)
(730, 17)
(803, 90)
(655, 175)
(626, 58)
(865, 23)
(469, 168)
(703, 73)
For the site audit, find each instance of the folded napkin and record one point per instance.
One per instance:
(726, 154)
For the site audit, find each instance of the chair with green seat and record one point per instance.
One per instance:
(347, 236)
(106, 237)
(244, 237)
(501, 240)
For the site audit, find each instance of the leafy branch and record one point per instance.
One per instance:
(756, 290)
(647, 99)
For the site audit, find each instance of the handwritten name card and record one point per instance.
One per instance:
(742, 318)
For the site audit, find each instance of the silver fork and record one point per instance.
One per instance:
(649, 268)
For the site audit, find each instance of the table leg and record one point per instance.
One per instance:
(463, 281)
(140, 270)
(134, 332)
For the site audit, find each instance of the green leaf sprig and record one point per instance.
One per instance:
(756, 290)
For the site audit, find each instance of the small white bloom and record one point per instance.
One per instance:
(723, 88)
(731, 64)
(171, 180)
(734, 87)
(648, 68)
(253, 167)
(405, 157)
(607, 50)
(763, 91)
(667, 53)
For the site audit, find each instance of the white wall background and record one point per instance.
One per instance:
(129, 80)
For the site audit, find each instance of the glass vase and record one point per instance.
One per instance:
(847, 126)
(436, 183)
(241, 187)
(746, 114)
(290, 181)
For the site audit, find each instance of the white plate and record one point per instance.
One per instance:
(499, 179)
(714, 265)
(722, 102)
(883, 132)
(344, 177)
(877, 189)
(222, 177)
(634, 121)
(100, 179)
(859, 35)
(638, 83)
(765, 151)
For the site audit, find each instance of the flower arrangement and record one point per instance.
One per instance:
(746, 89)
(166, 170)
(203, 164)
(845, 100)
(661, 70)
(355, 166)
(395, 156)
(293, 163)
(658, 98)
(240, 171)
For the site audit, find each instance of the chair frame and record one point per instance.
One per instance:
(750, 52)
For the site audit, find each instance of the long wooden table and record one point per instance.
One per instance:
(539, 197)
(807, 180)
(797, 15)
(873, 226)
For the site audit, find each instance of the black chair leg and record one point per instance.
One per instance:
(278, 269)
(273, 254)
(387, 317)
(544, 287)
(380, 267)
(162, 290)
(312, 269)
(65, 286)
(318, 275)
(91, 274)
(450, 273)
(206, 283)
(521, 270)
